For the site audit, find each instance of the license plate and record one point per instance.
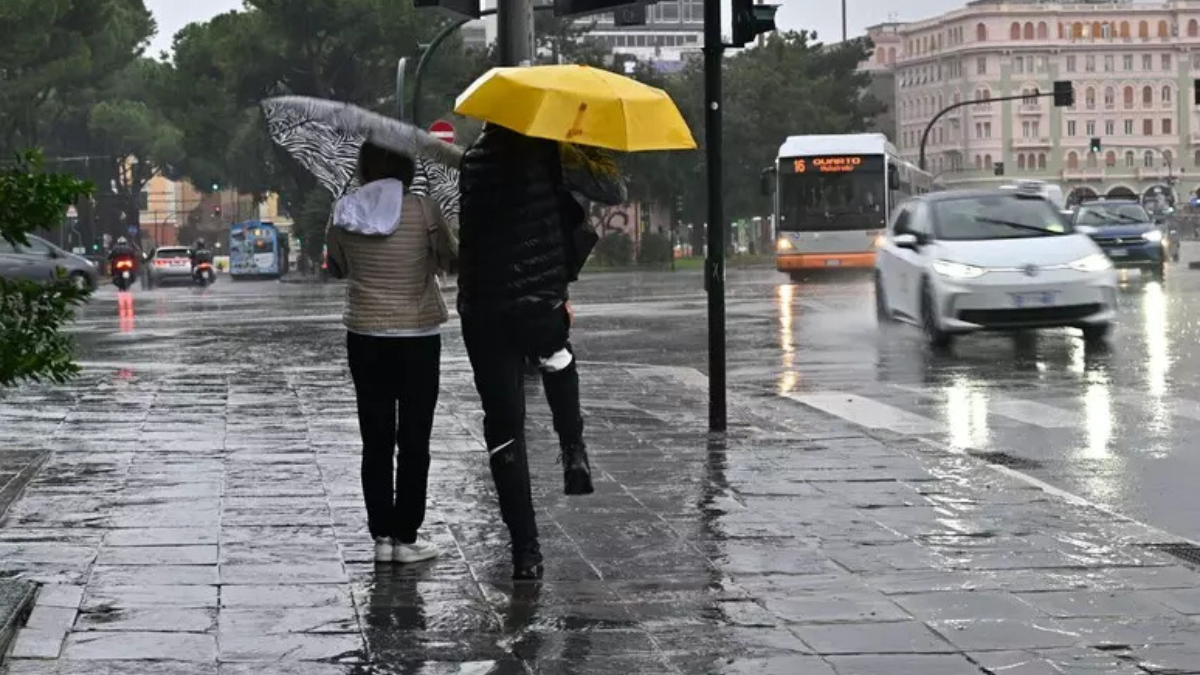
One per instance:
(1043, 299)
(832, 263)
(124, 275)
(1118, 252)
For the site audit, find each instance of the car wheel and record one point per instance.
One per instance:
(938, 338)
(81, 281)
(1096, 332)
(883, 313)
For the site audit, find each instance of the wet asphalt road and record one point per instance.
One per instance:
(1116, 426)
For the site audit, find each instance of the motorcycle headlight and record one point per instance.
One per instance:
(955, 270)
(1097, 262)
(1153, 236)
(783, 244)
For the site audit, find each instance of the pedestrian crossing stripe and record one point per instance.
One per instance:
(869, 413)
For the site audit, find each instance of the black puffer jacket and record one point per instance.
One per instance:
(512, 254)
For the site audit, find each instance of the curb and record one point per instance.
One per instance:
(16, 604)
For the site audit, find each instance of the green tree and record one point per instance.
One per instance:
(32, 346)
(567, 40)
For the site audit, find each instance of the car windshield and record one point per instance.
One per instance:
(172, 253)
(1110, 215)
(1002, 216)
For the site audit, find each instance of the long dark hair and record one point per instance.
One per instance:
(377, 163)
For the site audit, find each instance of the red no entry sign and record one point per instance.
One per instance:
(442, 130)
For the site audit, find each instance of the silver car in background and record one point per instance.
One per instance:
(170, 264)
(39, 260)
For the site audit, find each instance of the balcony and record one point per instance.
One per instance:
(1156, 173)
(1030, 109)
(1035, 142)
(1085, 173)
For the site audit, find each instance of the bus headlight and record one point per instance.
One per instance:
(783, 245)
(880, 240)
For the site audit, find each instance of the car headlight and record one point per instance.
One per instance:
(955, 270)
(1153, 236)
(784, 244)
(1097, 262)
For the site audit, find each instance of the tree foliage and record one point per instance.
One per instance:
(32, 346)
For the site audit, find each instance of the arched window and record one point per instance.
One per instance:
(1166, 94)
(1110, 159)
(1193, 28)
(1124, 29)
(1061, 31)
(1143, 29)
(1021, 162)
(891, 55)
(1072, 160)
(1043, 31)
(980, 32)
(957, 98)
(1077, 30)
(1110, 98)
(1028, 30)
(1148, 159)
(1147, 95)
(1014, 32)
(1097, 30)
(1129, 161)
(978, 163)
(1042, 160)
(1163, 29)
(1089, 98)
(987, 161)
(880, 56)
(1196, 158)
(1128, 97)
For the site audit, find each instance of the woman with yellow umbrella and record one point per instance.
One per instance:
(520, 247)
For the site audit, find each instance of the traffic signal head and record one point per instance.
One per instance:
(751, 20)
(1064, 94)
(1095, 145)
(458, 9)
(998, 168)
(216, 187)
(630, 15)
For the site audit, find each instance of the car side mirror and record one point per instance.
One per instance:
(909, 241)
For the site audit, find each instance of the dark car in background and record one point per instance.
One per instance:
(1126, 232)
(39, 260)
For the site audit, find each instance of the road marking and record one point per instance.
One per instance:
(1031, 412)
(869, 413)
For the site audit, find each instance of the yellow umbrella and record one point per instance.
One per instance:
(577, 104)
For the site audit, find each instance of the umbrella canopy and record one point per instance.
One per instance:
(325, 137)
(578, 104)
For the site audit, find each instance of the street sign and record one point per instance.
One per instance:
(72, 212)
(442, 130)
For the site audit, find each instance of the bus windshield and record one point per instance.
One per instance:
(832, 193)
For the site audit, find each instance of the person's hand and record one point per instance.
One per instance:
(570, 314)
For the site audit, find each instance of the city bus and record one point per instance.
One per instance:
(833, 197)
(257, 250)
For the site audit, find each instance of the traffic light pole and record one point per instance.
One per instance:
(963, 104)
(714, 266)
(515, 32)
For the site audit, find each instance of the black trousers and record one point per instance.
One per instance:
(396, 385)
(498, 349)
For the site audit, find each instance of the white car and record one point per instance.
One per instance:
(963, 261)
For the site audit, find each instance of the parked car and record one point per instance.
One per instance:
(39, 260)
(170, 264)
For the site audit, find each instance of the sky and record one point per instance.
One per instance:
(824, 17)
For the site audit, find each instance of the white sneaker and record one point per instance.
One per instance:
(385, 550)
(414, 552)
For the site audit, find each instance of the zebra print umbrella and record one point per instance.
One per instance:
(325, 136)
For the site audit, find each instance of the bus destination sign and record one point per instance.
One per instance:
(837, 164)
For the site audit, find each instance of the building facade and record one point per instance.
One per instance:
(1134, 69)
(673, 30)
(881, 68)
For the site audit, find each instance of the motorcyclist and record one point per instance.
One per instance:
(201, 254)
(124, 249)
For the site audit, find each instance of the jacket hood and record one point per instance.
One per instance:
(373, 209)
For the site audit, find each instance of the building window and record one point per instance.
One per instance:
(1110, 159)
(1166, 61)
(1043, 32)
(1124, 29)
(1148, 159)
(1143, 30)
(980, 32)
(1164, 30)
(987, 129)
(1018, 64)
(981, 66)
(1147, 62)
(1147, 127)
(1014, 32)
(1166, 95)
(1090, 98)
(1026, 130)
(978, 162)
(1110, 128)
(987, 161)
(1071, 128)
(1109, 63)
(1128, 98)
(1028, 30)
(1166, 126)
(1021, 162)
(1091, 127)
(1193, 28)
(1089, 63)
(1072, 160)
(1127, 62)
(1042, 160)
(1070, 64)
(1147, 96)
(1128, 127)
(1129, 160)
(1196, 158)
(1110, 98)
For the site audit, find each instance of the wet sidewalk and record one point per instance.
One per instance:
(191, 526)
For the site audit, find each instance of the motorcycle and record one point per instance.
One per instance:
(123, 274)
(203, 274)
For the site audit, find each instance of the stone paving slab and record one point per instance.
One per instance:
(223, 534)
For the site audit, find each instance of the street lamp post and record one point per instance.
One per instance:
(962, 104)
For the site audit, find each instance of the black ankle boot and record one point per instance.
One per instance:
(527, 562)
(577, 472)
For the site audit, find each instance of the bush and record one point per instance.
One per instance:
(655, 249)
(615, 249)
